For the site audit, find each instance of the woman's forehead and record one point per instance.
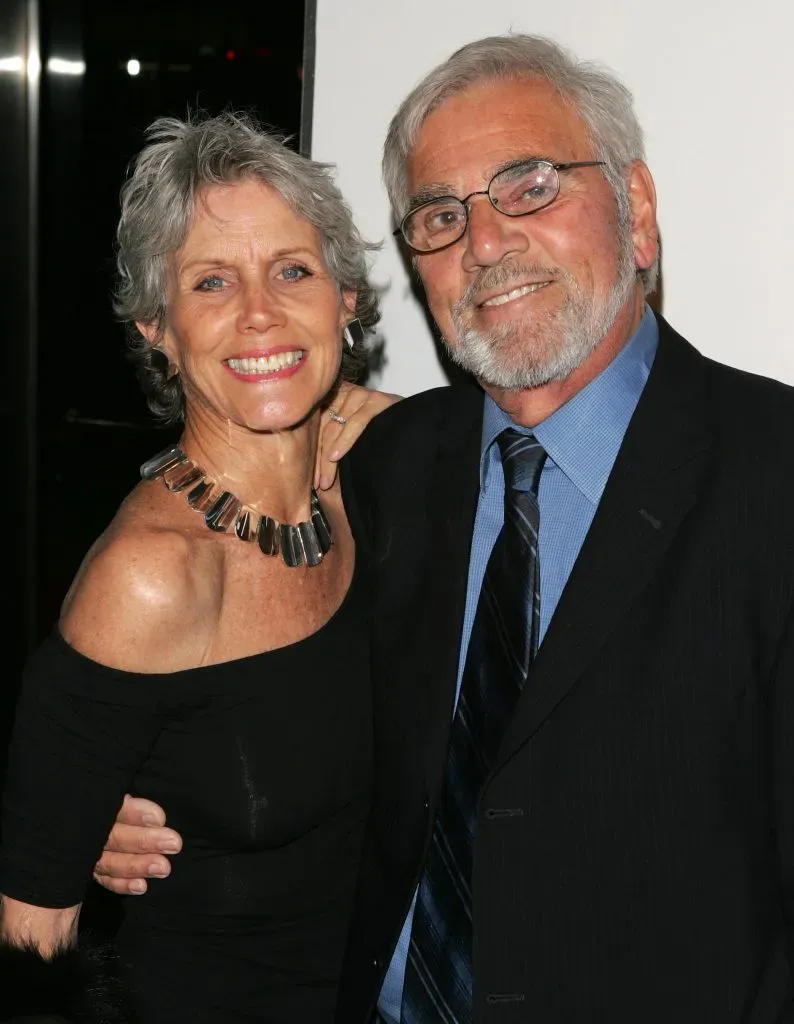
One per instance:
(247, 212)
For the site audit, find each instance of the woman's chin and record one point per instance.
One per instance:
(277, 420)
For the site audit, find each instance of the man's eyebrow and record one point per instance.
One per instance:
(427, 193)
(521, 161)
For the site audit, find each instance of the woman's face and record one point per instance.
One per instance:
(255, 320)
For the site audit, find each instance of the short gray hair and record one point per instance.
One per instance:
(603, 103)
(158, 201)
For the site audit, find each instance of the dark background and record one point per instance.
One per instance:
(74, 425)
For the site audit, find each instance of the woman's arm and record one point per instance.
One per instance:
(82, 730)
(47, 975)
(43, 929)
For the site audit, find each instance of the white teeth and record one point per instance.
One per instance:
(516, 293)
(265, 364)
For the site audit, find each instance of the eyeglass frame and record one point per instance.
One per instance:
(571, 165)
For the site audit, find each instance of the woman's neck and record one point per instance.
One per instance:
(270, 472)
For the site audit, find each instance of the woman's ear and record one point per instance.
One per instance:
(149, 331)
(349, 297)
(162, 343)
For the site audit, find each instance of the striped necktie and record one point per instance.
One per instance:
(504, 639)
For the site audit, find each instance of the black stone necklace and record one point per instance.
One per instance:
(302, 544)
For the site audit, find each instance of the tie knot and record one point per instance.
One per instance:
(522, 460)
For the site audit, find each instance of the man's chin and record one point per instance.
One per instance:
(521, 362)
(523, 379)
(507, 374)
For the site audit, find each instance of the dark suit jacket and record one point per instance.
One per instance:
(633, 859)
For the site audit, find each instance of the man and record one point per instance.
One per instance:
(583, 593)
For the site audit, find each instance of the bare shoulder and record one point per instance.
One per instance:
(142, 600)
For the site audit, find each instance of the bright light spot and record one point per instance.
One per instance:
(133, 67)
(12, 64)
(34, 66)
(59, 66)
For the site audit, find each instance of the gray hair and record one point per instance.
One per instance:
(603, 103)
(158, 201)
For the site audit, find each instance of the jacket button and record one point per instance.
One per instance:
(500, 998)
(504, 812)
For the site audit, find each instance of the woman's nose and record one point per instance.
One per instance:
(260, 310)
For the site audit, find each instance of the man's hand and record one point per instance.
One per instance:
(356, 406)
(135, 847)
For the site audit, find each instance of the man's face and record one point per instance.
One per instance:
(521, 301)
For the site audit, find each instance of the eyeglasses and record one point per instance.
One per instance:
(515, 192)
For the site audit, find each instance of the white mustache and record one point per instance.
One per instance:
(506, 275)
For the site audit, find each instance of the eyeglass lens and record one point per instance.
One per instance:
(515, 192)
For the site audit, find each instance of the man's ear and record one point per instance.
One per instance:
(644, 229)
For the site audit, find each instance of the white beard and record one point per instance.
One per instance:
(531, 351)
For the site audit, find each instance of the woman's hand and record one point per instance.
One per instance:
(135, 848)
(355, 406)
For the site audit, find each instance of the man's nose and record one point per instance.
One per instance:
(260, 310)
(491, 236)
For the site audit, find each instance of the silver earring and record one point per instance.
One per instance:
(353, 333)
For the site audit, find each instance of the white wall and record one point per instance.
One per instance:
(712, 82)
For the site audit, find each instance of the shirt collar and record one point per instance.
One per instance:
(582, 438)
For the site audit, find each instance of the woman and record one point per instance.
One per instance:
(212, 651)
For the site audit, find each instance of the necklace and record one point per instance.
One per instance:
(305, 543)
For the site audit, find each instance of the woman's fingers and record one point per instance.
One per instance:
(343, 424)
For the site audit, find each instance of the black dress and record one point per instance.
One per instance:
(263, 764)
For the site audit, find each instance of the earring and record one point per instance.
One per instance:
(353, 333)
(162, 363)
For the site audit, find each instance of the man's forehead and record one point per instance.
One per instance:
(476, 133)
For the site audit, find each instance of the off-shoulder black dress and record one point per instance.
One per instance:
(263, 766)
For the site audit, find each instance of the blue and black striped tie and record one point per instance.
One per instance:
(504, 639)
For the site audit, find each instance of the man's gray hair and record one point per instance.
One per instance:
(603, 103)
(158, 202)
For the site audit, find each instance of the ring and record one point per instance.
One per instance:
(336, 417)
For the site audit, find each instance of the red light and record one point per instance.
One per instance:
(231, 54)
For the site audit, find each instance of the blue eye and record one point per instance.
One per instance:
(212, 283)
(295, 272)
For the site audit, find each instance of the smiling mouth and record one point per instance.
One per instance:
(256, 367)
(514, 293)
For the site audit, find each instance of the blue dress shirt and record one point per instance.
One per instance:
(582, 439)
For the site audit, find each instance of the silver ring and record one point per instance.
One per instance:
(336, 417)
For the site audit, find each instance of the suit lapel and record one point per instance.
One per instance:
(451, 509)
(652, 486)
